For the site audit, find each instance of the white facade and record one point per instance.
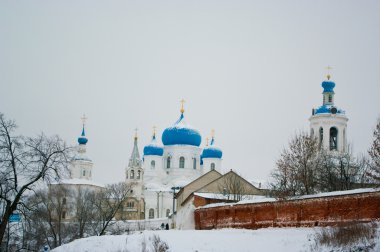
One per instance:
(321, 125)
(81, 166)
(173, 165)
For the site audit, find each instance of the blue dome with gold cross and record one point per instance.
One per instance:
(153, 148)
(212, 151)
(181, 134)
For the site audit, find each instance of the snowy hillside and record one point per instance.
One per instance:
(270, 239)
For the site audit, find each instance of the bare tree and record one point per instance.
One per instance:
(85, 210)
(233, 186)
(295, 171)
(47, 217)
(24, 162)
(108, 202)
(374, 153)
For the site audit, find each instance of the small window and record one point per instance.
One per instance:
(132, 174)
(84, 173)
(151, 213)
(152, 164)
(312, 133)
(168, 162)
(167, 212)
(181, 162)
(138, 174)
(330, 98)
(194, 163)
(212, 166)
(63, 214)
(64, 201)
(130, 204)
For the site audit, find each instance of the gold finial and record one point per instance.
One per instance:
(182, 109)
(136, 133)
(328, 72)
(206, 141)
(84, 118)
(212, 133)
(154, 130)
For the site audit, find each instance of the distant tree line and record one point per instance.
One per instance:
(306, 168)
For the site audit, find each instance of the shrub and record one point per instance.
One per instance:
(353, 236)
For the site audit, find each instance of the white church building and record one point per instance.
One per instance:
(166, 168)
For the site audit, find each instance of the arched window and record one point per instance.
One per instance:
(333, 138)
(84, 173)
(320, 137)
(181, 162)
(138, 174)
(132, 174)
(152, 164)
(64, 201)
(212, 166)
(330, 98)
(167, 212)
(151, 213)
(312, 133)
(130, 204)
(168, 162)
(63, 214)
(194, 163)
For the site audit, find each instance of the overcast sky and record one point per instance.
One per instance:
(251, 70)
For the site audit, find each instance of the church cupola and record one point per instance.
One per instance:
(181, 133)
(81, 167)
(153, 148)
(211, 155)
(328, 91)
(328, 123)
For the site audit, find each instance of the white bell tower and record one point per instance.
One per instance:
(328, 123)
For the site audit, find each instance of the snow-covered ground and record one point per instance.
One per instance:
(269, 239)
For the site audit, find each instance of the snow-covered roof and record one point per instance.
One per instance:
(77, 181)
(259, 183)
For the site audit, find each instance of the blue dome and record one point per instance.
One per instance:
(82, 139)
(326, 109)
(328, 86)
(153, 148)
(181, 134)
(212, 151)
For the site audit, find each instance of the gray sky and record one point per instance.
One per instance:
(251, 70)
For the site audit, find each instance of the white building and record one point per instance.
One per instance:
(328, 122)
(168, 167)
(80, 181)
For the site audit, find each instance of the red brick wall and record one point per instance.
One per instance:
(305, 212)
(200, 201)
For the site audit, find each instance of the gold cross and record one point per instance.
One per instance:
(182, 102)
(212, 133)
(154, 130)
(206, 141)
(328, 72)
(84, 118)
